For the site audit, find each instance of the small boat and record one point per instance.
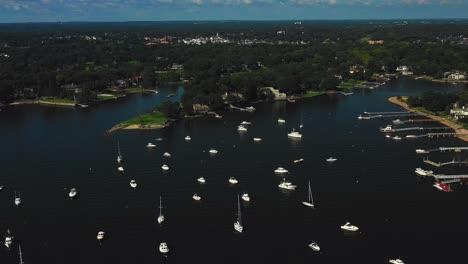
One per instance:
(241, 128)
(8, 239)
(238, 224)
(100, 235)
(213, 151)
(257, 139)
(286, 185)
(250, 109)
(133, 184)
(245, 123)
(396, 261)
(159, 139)
(349, 227)
(388, 136)
(233, 180)
(73, 192)
(281, 121)
(165, 167)
(1, 187)
(411, 136)
(167, 155)
(196, 197)
(298, 160)
(387, 129)
(281, 170)
(151, 145)
(291, 100)
(161, 217)
(396, 138)
(295, 134)
(310, 201)
(17, 199)
(422, 151)
(331, 159)
(397, 122)
(188, 138)
(245, 197)
(442, 187)
(121, 169)
(218, 116)
(314, 246)
(119, 154)
(163, 248)
(422, 172)
(201, 180)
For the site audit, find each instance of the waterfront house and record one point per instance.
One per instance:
(456, 75)
(459, 113)
(375, 42)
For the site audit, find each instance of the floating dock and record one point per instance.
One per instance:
(442, 149)
(440, 164)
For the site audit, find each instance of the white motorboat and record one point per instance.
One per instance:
(314, 246)
(238, 224)
(1, 187)
(163, 248)
(201, 180)
(121, 169)
(349, 227)
(422, 172)
(8, 239)
(250, 109)
(295, 134)
(387, 129)
(422, 151)
(159, 139)
(100, 235)
(73, 192)
(17, 199)
(411, 136)
(281, 170)
(167, 155)
(245, 197)
(396, 138)
(310, 201)
(298, 160)
(286, 185)
(165, 167)
(233, 180)
(133, 184)
(188, 138)
(241, 128)
(119, 154)
(213, 151)
(161, 217)
(388, 136)
(281, 121)
(397, 122)
(257, 139)
(396, 261)
(245, 123)
(196, 197)
(150, 145)
(331, 159)
(218, 116)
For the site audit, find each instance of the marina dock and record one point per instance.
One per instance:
(418, 128)
(442, 149)
(440, 164)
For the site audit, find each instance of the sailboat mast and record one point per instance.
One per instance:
(160, 206)
(118, 148)
(310, 195)
(239, 217)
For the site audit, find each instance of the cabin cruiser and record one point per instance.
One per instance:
(213, 151)
(257, 139)
(241, 128)
(396, 138)
(387, 129)
(331, 159)
(133, 184)
(422, 151)
(233, 180)
(281, 170)
(201, 180)
(17, 199)
(396, 261)
(287, 185)
(100, 235)
(188, 138)
(314, 246)
(281, 121)
(163, 248)
(245, 123)
(411, 136)
(245, 197)
(8, 239)
(422, 172)
(151, 145)
(196, 197)
(398, 122)
(294, 134)
(121, 169)
(250, 108)
(167, 155)
(73, 192)
(298, 160)
(165, 167)
(349, 227)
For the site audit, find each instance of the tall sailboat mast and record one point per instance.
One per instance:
(239, 216)
(311, 200)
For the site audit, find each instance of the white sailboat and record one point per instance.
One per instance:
(119, 154)
(314, 246)
(133, 184)
(163, 248)
(73, 192)
(8, 239)
(100, 235)
(150, 145)
(201, 180)
(161, 217)
(233, 180)
(165, 167)
(17, 199)
(310, 200)
(238, 224)
(121, 169)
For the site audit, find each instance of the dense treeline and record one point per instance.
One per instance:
(438, 102)
(42, 60)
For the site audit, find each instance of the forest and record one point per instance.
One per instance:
(84, 59)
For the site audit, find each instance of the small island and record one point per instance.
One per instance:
(153, 120)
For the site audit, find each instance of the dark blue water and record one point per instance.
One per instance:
(46, 151)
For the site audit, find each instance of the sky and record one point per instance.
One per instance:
(169, 10)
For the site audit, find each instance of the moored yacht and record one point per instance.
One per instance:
(349, 227)
(396, 261)
(201, 180)
(314, 246)
(163, 248)
(245, 123)
(245, 196)
(213, 151)
(233, 180)
(133, 184)
(396, 138)
(73, 192)
(167, 155)
(422, 172)
(241, 128)
(196, 197)
(281, 121)
(331, 159)
(295, 134)
(257, 139)
(188, 138)
(17, 199)
(150, 145)
(165, 167)
(298, 160)
(100, 235)
(281, 170)
(8, 239)
(286, 185)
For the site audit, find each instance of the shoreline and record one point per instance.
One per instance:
(135, 127)
(461, 132)
(40, 102)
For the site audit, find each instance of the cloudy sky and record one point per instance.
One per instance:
(153, 10)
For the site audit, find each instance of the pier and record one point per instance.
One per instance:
(440, 164)
(401, 122)
(437, 135)
(417, 128)
(442, 149)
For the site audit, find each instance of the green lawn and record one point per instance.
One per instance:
(58, 100)
(313, 93)
(102, 97)
(153, 118)
(134, 90)
(350, 84)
